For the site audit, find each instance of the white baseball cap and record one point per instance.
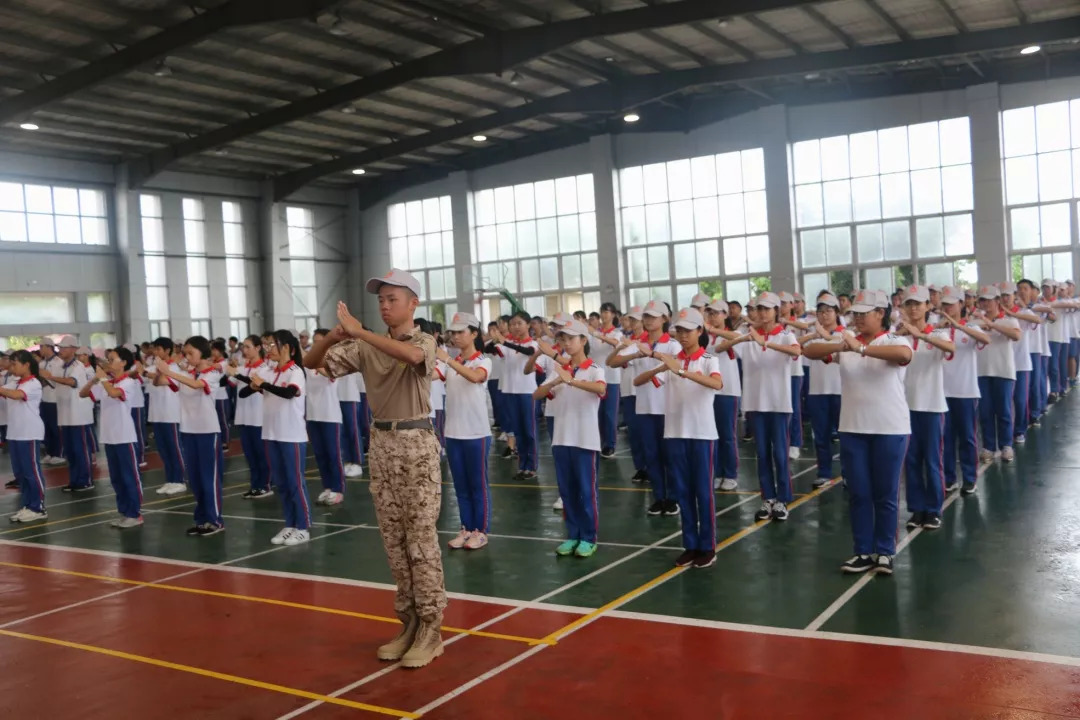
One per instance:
(83, 351)
(786, 297)
(766, 299)
(68, 341)
(463, 321)
(574, 327)
(396, 277)
(656, 309)
(718, 306)
(1007, 288)
(689, 318)
(919, 293)
(830, 300)
(867, 300)
(1049, 282)
(562, 318)
(798, 296)
(700, 300)
(952, 294)
(635, 313)
(989, 292)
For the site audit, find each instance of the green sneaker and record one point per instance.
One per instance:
(585, 549)
(567, 548)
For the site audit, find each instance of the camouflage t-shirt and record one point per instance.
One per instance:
(395, 391)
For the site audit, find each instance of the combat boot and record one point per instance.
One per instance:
(427, 646)
(396, 648)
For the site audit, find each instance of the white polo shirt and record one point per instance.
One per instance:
(347, 389)
(220, 392)
(198, 414)
(1022, 347)
(626, 381)
(689, 406)
(576, 419)
(651, 396)
(283, 420)
(466, 402)
(496, 366)
(1043, 335)
(24, 416)
(825, 373)
(249, 410)
(513, 379)
(960, 376)
(873, 399)
(766, 387)
(924, 380)
(116, 426)
(996, 359)
(322, 401)
(55, 366)
(728, 362)
(137, 399)
(361, 386)
(164, 401)
(437, 396)
(1055, 329)
(4, 378)
(599, 352)
(72, 410)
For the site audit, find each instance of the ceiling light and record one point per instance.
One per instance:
(28, 126)
(359, 171)
(1030, 50)
(162, 69)
(609, 59)
(349, 110)
(631, 117)
(479, 138)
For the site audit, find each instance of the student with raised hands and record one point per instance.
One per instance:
(726, 400)
(1056, 338)
(352, 439)
(961, 385)
(74, 413)
(1034, 328)
(606, 340)
(925, 390)
(623, 358)
(164, 415)
(468, 433)
(249, 416)
(1022, 359)
(793, 324)
(26, 432)
(324, 429)
(543, 364)
(823, 395)
(5, 374)
(519, 408)
(220, 361)
(51, 364)
(875, 426)
(692, 379)
(997, 376)
(767, 393)
(578, 388)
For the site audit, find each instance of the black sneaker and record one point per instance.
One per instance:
(65, 489)
(765, 512)
(84, 488)
(257, 493)
(509, 453)
(656, 508)
(192, 531)
(686, 558)
(779, 511)
(704, 559)
(931, 521)
(968, 489)
(820, 482)
(208, 529)
(883, 565)
(15, 483)
(952, 487)
(607, 453)
(671, 507)
(640, 477)
(525, 475)
(857, 564)
(916, 520)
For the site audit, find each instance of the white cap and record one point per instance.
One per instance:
(463, 321)
(786, 297)
(635, 313)
(1049, 282)
(918, 293)
(952, 294)
(83, 351)
(798, 296)
(867, 300)
(574, 327)
(700, 300)
(830, 300)
(1007, 288)
(718, 306)
(562, 318)
(932, 288)
(396, 277)
(656, 309)
(989, 292)
(130, 347)
(68, 341)
(766, 299)
(689, 318)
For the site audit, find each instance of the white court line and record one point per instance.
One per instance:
(863, 581)
(110, 493)
(538, 603)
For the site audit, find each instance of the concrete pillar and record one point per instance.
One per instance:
(274, 246)
(991, 248)
(131, 323)
(772, 124)
(602, 165)
(459, 188)
(214, 239)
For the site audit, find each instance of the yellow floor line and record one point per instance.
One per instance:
(268, 601)
(211, 674)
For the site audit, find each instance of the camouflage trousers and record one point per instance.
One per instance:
(406, 486)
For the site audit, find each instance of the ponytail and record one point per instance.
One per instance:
(26, 357)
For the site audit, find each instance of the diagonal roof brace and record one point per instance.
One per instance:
(231, 14)
(637, 90)
(492, 53)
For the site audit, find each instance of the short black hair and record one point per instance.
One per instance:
(1029, 283)
(219, 345)
(201, 344)
(126, 355)
(164, 343)
(233, 338)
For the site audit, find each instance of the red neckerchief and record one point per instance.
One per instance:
(521, 341)
(1014, 308)
(928, 329)
(474, 356)
(1000, 315)
(574, 370)
(688, 358)
(282, 369)
(24, 380)
(608, 330)
(196, 373)
(249, 366)
(777, 329)
(663, 339)
(862, 338)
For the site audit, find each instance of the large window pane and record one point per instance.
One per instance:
(678, 178)
(685, 260)
(866, 198)
(813, 248)
(1025, 228)
(157, 303)
(196, 271)
(735, 256)
(926, 191)
(868, 239)
(897, 240)
(809, 210)
(706, 218)
(682, 220)
(658, 263)
(1021, 180)
(1055, 176)
(590, 270)
(571, 271)
(200, 302)
(837, 202)
(834, 158)
(708, 258)
(838, 244)
(929, 237)
(959, 235)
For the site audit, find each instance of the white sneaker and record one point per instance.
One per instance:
(163, 489)
(986, 455)
(297, 537)
(53, 461)
(175, 488)
(282, 536)
(1007, 454)
(716, 483)
(459, 542)
(129, 522)
(353, 470)
(729, 484)
(322, 496)
(503, 437)
(334, 498)
(46, 459)
(143, 465)
(794, 453)
(558, 506)
(26, 515)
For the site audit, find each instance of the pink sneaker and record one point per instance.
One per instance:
(459, 542)
(476, 541)
(334, 498)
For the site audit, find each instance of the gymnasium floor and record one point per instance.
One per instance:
(979, 621)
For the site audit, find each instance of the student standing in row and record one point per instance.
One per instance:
(26, 431)
(1022, 359)
(249, 417)
(628, 393)
(494, 389)
(823, 393)
(74, 415)
(468, 433)
(543, 364)
(324, 430)
(791, 322)
(164, 416)
(997, 376)
(113, 386)
(726, 400)
(608, 337)
(220, 394)
(352, 440)
(5, 366)
(960, 380)
(54, 441)
(519, 408)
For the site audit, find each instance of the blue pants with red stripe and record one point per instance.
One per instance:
(78, 447)
(26, 467)
(54, 442)
(137, 416)
(497, 404)
(519, 417)
(923, 463)
(222, 407)
(690, 467)
(1059, 364)
(651, 436)
(251, 443)
(352, 442)
(771, 437)
(726, 415)
(609, 416)
(1021, 419)
(872, 470)
(125, 478)
(468, 461)
(325, 439)
(637, 453)
(824, 411)
(961, 439)
(1036, 402)
(287, 461)
(995, 412)
(575, 472)
(795, 432)
(204, 459)
(167, 440)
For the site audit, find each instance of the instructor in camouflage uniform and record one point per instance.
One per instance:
(406, 477)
